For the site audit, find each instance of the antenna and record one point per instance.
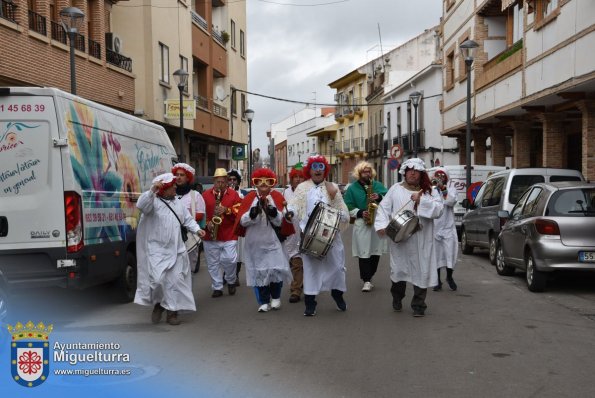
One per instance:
(381, 52)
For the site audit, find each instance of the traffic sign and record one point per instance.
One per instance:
(396, 151)
(472, 191)
(393, 164)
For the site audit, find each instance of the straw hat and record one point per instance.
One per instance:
(220, 172)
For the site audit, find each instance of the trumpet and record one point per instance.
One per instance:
(435, 182)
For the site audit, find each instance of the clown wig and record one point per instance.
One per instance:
(264, 172)
(316, 159)
(186, 168)
(295, 173)
(357, 171)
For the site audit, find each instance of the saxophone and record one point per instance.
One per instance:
(371, 204)
(216, 220)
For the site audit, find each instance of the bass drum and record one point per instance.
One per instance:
(402, 226)
(192, 242)
(321, 229)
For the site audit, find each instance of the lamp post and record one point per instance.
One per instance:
(467, 49)
(72, 18)
(181, 78)
(415, 97)
(249, 114)
(331, 143)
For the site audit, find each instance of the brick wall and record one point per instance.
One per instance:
(30, 59)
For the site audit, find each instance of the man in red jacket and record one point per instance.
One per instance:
(220, 242)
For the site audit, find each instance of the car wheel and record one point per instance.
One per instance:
(464, 246)
(536, 280)
(126, 284)
(493, 248)
(501, 267)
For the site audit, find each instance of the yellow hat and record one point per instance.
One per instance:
(220, 173)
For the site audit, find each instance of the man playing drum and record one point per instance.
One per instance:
(412, 260)
(220, 242)
(192, 200)
(362, 198)
(292, 243)
(328, 273)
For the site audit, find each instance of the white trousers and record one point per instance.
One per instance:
(221, 257)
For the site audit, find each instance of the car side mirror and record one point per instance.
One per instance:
(503, 214)
(465, 203)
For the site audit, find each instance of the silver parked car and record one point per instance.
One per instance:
(552, 227)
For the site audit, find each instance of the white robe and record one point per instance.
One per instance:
(445, 231)
(163, 268)
(327, 273)
(414, 259)
(292, 243)
(266, 261)
(199, 207)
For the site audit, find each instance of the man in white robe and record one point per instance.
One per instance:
(163, 270)
(445, 229)
(328, 273)
(412, 260)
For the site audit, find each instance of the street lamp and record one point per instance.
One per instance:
(181, 78)
(249, 114)
(331, 143)
(415, 97)
(467, 49)
(72, 18)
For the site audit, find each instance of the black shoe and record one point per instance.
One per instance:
(438, 287)
(397, 305)
(338, 297)
(294, 298)
(231, 288)
(418, 312)
(451, 284)
(157, 313)
(310, 312)
(217, 293)
(310, 305)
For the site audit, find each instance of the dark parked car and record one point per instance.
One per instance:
(552, 227)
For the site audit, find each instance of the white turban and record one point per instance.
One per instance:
(413, 163)
(184, 166)
(165, 178)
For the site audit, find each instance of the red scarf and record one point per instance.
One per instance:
(286, 227)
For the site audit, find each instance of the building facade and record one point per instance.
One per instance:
(34, 29)
(532, 81)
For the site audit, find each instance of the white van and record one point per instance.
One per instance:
(458, 174)
(70, 173)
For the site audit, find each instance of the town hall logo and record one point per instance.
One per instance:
(30, 353)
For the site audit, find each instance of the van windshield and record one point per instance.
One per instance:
(519, 184)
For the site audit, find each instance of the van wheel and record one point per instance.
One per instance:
(464, 246)
(493, 247)
(501, 267)
(536, 280)
(126, 284)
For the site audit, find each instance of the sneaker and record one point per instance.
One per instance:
(367, 287)
(275, 304)
(438, 287)
(294, 298)
(451, 284)
(157, 313)
(418, 313)
(397, 305)
(309, 312)
(264, 308)
(217, 293)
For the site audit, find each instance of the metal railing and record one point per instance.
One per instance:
(202, 102)
(219, 110)
(217, 36)
(358, 144)
(8, 10)
(346, 147)
(94, 49)
(118, 60)
(79, 42)
(200, 21)
(37, 23)
(58, 32)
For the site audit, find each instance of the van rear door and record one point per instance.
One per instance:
(31, 186)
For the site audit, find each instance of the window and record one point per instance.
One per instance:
(164, 63)
(545, 11)
(548, 7)
(520, 183)
(462, 66)
(399, 131)
(516, 211)
(234, 108)
(242, 44)
(449, 78)
(243, 105)
(184, 66)
(233, 34)
(530, 207)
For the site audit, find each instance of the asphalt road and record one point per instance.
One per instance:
(491, 338)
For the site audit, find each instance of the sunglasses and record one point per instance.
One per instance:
(318, 166)
(269, 182)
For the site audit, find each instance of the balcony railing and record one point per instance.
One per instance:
(358, 144)
(79, 42)
(202, 102)
(346, 146)
(200, 21)
(118, 60)
(37, 23)
(8, 10)
(218, 37)
(58, 32)
(219, 110)
(94, 49)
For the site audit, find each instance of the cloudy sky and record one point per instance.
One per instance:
(297, 47)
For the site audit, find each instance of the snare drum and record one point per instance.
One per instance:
(320, 231)
(402, 226)
(192, 242)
